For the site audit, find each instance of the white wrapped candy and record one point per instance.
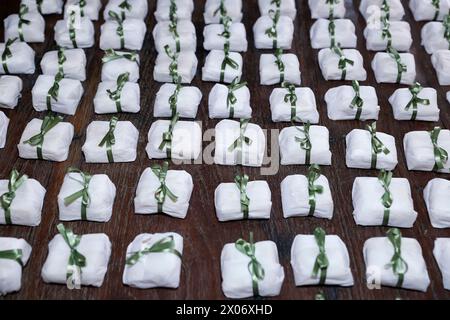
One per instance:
(136, 9)
(11, 276)
(400, 36)
(304, 109)
(441, 253)
(84, 34)
(422, 106)
(133, 31)
(4, 123)
(233, 9)
(284, 30)
(20, 59)
(433, 37)
(184, 9)
(386, 68)
(10, 91)
(67, 99)
(31, 29)
(213, 39)
(116, 63)
(154, 269)
(321, 9)
(129, 97)
(369, 8)
(269, 69)
(292, 152)
(220, 106)
(239, 143)
(441, 63)
(438, 202)
(89, 9)
(344, 33)
(448, 96)
(329, 62)
(178, 182)
(187, 100)
(287, 7)
(187, 36)
(424, 10)
(44, 6)
(123, 150)
(215, 64)
(73, 66)
(186, 63)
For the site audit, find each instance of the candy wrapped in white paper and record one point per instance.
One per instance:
(233, 10)
(441, 63)
(187, 102)
(46, 7)
(179, 182)
(138, 9)
(292, 153)
(304, 252)
(287, 8)
(213, 40)
(112, 69)
(101, 192)
(344, 34)
(218, 107)
(424, 10)
(305, 106)
(21, 60)
(270, 74)
(186, 140)
(187, 36)
(378, 253)
(84, 34)
(227, 201)
(26, 206)
(433, 38)
(69, 94)
(4, 123)
(31, 32)
(368, 208)
(187, 67)
(74, 67)
(329, 65)
(295, 199)
(154, 269)
(419, 151)
(11, 276)
(90, 9)
(133, 34)
(213, 65)
(56, 142)
(359, 150)
(184, 9)
(227, 132)
(437, 200)
(95, 247)
(369, 8)
(385, 68)
(130, 97)
(321, 9)
(441, 253)
(400, 31)
(10, 91)
(400, 99)
(284, 30)
(125, 147)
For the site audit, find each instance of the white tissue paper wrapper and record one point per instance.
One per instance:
(56, 142)
(178, 181)
(184, 10)
(436, 198)
(287, 8)
(432, 36)
(186, 32)
(329, 65)
(285, 32)
(400, 36)
(10, 91)
(304, 252)
(139, 9)
(73, 68)
(32, 32)
(227, 201)
(188, 100)
(441, 63)
(156, 269)
(368, 8)
(22, 60)
(47, 7)
(217, 103)
(111, 70)
(214, 41)
(213, 66)
(424, 10)
(386, 70)
(187, 67)
(306, 108)
(95, 247)
(101, 191)
(270, 74)
(320, 9)
(133, 34)
(291, 152)
(378, 253)
(90, 10)
(441, 253)
(11, 276)
(84, 35)
(401, 97)
(344, 34)
(226, 133)
(129, 98)
(233, 8)
(4, 123)
(236, 278)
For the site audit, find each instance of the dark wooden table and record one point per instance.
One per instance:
(204, 236)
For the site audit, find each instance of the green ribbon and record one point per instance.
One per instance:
(166, 244)
(398, 264)
(415, 100)
(386, 32)
(377, 146)
(49, 122)
(241, 183)
(254, 266)
(440, 154)
(168, 136)
(222, 10)
(332, 32)
(357, 101)
(173, 30)
(227, 61)
(119, 31)
(331, 4)
(39, 5)
(400, 65)
(83, 193)
(61, 59)
(277, 3)
(231, 97)
(436, 4)
(163, 191)
(321, 264)
(173, 11)
(291, 98)
(279, 62)
(313, 189)
(125, 5)
(446, 23)
(111, 55)
(22, 12)
(272, 31)
(53, 91)
(7, 54)
(14, 254)
(385, 178)
(386, 9)
(173, 99)
(15, 181)
(305, 143)
(82, 4)
(115, 95)
(109, 139)
(173, 66)
(239, 142)
(343, 61)
(72, 33)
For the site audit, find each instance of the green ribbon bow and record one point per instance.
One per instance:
(331, 4)
(343, 61)
(111, 55)
(125, 5)
(386, 9)
(305, 143)
(83, 193)
(227, 61)
(14, 254)
(291, 98)
(49, 122)
(400, 65)
(173, 66)
(446, 23)
(119, 31)
(440, 154)
(254, 266)
(82, 4)
(385, 31)
(239, 142)
(332, 32)
(163, 190)
(173, 11)
(222, 10)
(313, 189)
(115, 95)
(72, 33)
(321, 264)
(173, 99)
(109, 139)
(168, 136)
(279, 62)
(272, 31)
(173, 24)
(398, 264)
(22, 12)
(231, 97)
(377, 146)
(166, 244)
(61, 59)
(15, 181)
(385, 178)
(277, 3)
(226, 28)
(357, 101)
(241, 183)
(39, 5)
(437, 5)
(415, 100)
(7, 54)
(76, 259)
(53, 91)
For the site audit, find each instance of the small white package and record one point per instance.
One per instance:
(44, 6)
(136, 9)
(279, 68)
(214, 37)
(183, 9)
(116, 63)
(175, 67)
(71, 62)
(326, 33)
(172, 98)
(394, 67)
(183, 38)
(10, 91)
(425, 10)
(437, 201)
(324, 9)
(222, 66)
(216, 9)
(88, 8)
(14, 255)
(27, 26)
(379, 35)
(293, 104)
(393, 9)
(273, 31)
(441, 253)
(341, 64)
(117, 96)
(441, 63)
(230, 101)
(122, 34)
(16, 57)
(286, 7)
(4, 123)
(70, 35)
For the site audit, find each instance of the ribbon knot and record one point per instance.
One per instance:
(61, 60)
(54, 90)
(305, 142)
(72, 32)
(125, 5)
(227, 61)
(168, 136)
(357, 101)
(313, 188)
(241, 182)
(385, 178)
(7, 54)
(440, 154)
(173, 26)
(82, 4)
(173, 66)
(239, 142)
(163, 191)
(291, 98)
(173, 99)
(119, 31)
(83, 193)
(332, 32)
(109, 139)
(173, 11)
(166, 244)
(23, 10)
(377, 145)
(343, 61)
(231, 97)
(272, 32)
(6, 199)
(331, 4)
(398, 264)
(49, 122)
(415, 89)
(386, 9)
(385, 31)
(111, 55)
(14, 254)
(115, 95)
(279, 63)
(321, 264)
(401, 67)
(437, 5)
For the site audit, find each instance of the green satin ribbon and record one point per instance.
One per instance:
(357, 101)
(440, 154)
(115, 95)
(61, 59)
(173, 11)
(173, 66)
(53, 91)
(385, 31)
(398, 264)
(14, 254)
(321, 264)
(7, 54)
(377, 146)
(331, 4)
(313, 189)
(385, 178)
(83, 193)
(82, 4)
(227, 61)
(241, 183)
(109, 139)
(173, 24)
(166, 245)
(446, 23)
(163, 191)
(168, 136)
(76, 259)
(437, 5)
(111, 55)
(415, 100)
(222, 10)
(277, 3)
(272, 31)
(14, 183)
(254, 266)
(305, 143)
(332, 32)
(279, 62)
(239, 142)
(386, 9)
(39, 5)
(72, 33)
(119, 31)
(231, 97)
(173, 99)
(49, 122)
(125, 5)
(400, 65)
(22, 12)
(291, 98)
(343, 61)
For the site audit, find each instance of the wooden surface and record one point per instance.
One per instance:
(203, 235)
